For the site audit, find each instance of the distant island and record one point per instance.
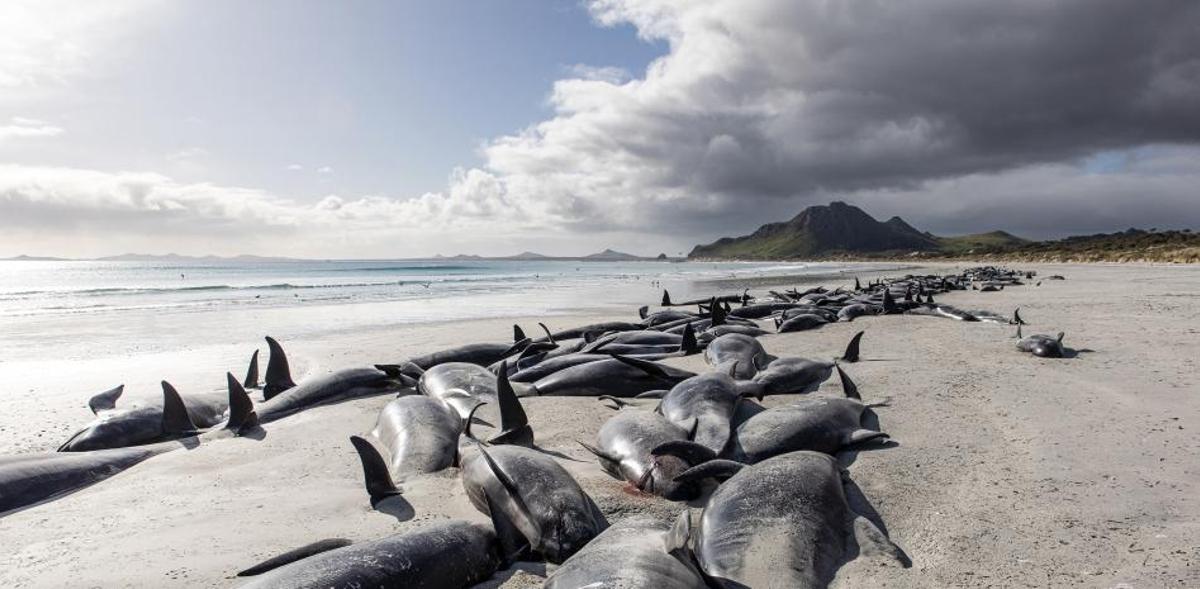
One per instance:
(167, 258)
(607, 255)
(842, 231)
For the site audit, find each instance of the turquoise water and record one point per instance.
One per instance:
(84, 309)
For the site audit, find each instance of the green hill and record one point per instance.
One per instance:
(836, 228)
(839, 230)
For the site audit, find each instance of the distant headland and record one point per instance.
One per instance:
(842, 231)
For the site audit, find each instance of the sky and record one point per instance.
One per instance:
(373, 129)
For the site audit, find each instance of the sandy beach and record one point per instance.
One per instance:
(1010, 470)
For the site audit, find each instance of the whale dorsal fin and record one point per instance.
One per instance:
(689, 345)
(848, 386)
(1060, 336)
(717, 312)
(106, 401)
(241, 409)
(666, 300)
(518, 333)
(376, 475)
(851, 354)
(175, 418)
(514, 424)
(251, 381)
(549, 336)
(279, 373)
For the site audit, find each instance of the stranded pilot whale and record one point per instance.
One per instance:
(444, 555)
(784, 522)
(618, 376)
(348, 383)
(623, 447)
(800, 375)
(635, 552)
(167, 418)
(815, 423)
(1043, 346)
(28, 479)
(534, 500)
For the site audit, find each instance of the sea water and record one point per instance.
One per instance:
(73, 309)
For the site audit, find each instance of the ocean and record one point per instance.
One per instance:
(83, 309)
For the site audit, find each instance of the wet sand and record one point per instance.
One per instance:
(1010, 470)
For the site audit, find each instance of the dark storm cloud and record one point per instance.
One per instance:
(764, 107)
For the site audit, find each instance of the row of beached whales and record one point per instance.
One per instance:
(777, 477)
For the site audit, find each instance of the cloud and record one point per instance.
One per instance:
(21, 127)
(44, 42)
(1152, 188)
(295, 167)
(325, 170)
(763, 107)
(37, 203)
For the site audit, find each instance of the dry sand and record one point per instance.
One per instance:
(1011, 471)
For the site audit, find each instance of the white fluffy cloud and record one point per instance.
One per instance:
(140, 208)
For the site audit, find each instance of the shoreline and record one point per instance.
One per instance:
(1009, 470)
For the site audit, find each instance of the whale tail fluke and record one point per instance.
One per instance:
(1017, 317)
